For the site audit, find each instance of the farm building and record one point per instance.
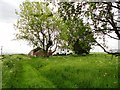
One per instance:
(38, 52)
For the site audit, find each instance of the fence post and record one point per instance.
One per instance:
(1, 49)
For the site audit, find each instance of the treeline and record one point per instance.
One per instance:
(75, 25)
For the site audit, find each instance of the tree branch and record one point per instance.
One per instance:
(101, 47)
(117, 20)
(111, 4)
(103, 29)
(55, 47)
(116, 7)
(111, 36)
(102, 20)
(112, 53)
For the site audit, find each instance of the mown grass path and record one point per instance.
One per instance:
(32, 78)
(92, 71)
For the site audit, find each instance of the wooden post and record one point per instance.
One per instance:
(1, 49)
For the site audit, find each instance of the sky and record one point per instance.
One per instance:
(7, 31)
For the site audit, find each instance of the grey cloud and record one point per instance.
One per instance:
(7, 12)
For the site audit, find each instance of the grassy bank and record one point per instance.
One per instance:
(92, 71)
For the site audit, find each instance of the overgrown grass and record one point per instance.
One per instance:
(0, 74)
(93, 71)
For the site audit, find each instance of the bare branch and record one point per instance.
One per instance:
(111, 36)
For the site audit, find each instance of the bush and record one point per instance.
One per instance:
(81, 47)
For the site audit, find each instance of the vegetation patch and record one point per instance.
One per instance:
(92, 71)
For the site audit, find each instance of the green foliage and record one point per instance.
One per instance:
(79, 35)
(38, 25)
(97, 70)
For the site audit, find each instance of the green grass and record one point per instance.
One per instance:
(97, 70)
(0, 74)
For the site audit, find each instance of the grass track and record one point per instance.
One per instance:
(95, 70)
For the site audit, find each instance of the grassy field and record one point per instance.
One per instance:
(0, 74)
(96, 70)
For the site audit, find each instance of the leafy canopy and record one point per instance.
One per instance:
(38, 25)
(80, 36)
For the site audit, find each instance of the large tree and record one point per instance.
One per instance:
(38, 25)
(80, 36)
(105, 20)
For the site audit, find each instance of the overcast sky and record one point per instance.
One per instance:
(8, 18)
